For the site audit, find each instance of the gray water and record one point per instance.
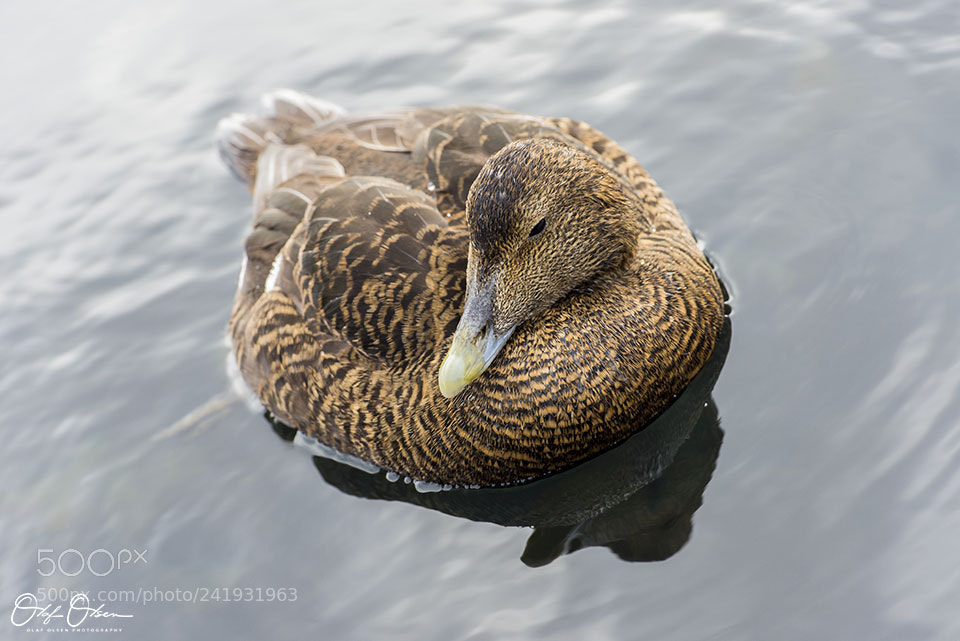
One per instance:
(813, 146)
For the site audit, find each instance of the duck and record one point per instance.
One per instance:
(465, 296)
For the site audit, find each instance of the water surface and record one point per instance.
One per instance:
(813, 146)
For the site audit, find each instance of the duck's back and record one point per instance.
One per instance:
(356, 269)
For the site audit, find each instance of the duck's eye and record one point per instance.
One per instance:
(538, 228)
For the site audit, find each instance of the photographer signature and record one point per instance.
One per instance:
(26, 608)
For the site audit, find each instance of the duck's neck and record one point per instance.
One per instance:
(629, 222)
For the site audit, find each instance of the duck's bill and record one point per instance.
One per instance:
(468, 358)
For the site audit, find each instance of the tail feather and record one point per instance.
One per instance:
(299, 108)
(278, 163)
(242, 138)
(284, 176)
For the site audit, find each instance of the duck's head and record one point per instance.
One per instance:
(544, 219)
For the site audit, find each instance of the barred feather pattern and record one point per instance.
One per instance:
(354, 285)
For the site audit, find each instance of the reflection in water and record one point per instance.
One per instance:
(637, 499)
(655, 521)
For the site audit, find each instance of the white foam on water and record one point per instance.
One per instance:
(319, 449)
(425, 487)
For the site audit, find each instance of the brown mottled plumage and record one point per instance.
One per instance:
(357, 273)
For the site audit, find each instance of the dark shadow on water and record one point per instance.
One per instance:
(637, 499)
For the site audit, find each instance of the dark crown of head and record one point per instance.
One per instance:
(517, 177)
